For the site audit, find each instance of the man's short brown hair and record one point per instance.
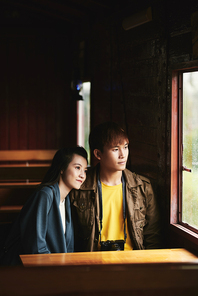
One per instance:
(107, 133)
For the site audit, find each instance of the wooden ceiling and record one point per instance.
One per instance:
(59, 11)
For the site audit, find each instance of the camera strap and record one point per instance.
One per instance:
(101, 207)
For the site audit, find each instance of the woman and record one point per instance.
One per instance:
(44, 224)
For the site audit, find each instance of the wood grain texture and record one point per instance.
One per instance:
(105, 258)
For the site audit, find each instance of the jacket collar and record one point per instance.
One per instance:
(132, 180)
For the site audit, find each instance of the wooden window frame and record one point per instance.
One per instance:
(188, 233)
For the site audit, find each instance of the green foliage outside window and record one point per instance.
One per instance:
(190, 149)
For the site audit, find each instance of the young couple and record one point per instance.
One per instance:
(113, 209)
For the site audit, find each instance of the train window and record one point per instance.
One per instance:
(189, 213)
(184, 151)
(83, 117)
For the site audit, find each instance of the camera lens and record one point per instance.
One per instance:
(116, 247)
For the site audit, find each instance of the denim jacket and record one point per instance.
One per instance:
(141, 210)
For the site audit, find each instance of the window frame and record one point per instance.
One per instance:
(182, 229)
(80, 120)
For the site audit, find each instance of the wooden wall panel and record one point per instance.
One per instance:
(32, 89)
(36, 70)
(4, 139)
(23, 102)
(129, 87)
(12, 76)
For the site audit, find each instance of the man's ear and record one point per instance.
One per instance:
(97, 154)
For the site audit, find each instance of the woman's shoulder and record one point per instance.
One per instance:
(49, 192)
(42, 198)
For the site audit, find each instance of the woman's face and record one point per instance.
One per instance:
(75, 174)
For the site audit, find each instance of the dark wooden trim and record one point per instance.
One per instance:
(180, 143)
(185, 233)
(131, 279)
(192, 65)
(174, 151)
(33, 173)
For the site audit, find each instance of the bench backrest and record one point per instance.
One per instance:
(20, 172)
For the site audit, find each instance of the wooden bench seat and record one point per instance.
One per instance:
(20, 173)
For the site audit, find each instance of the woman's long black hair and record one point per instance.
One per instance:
(60, 162)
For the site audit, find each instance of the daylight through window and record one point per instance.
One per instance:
(83, 117)
(190, 149)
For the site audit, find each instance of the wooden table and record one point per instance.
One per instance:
(145, 273)
(111, 258)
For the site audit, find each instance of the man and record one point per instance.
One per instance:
(115, 208)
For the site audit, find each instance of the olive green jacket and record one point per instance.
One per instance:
(141, 210)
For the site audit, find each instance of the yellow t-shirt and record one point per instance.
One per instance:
(113, 221)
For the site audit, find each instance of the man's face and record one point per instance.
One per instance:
(114, 157)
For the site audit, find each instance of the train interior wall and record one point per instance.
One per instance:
(130, 74)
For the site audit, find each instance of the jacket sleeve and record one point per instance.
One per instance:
(34, 222)
(151, 232)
